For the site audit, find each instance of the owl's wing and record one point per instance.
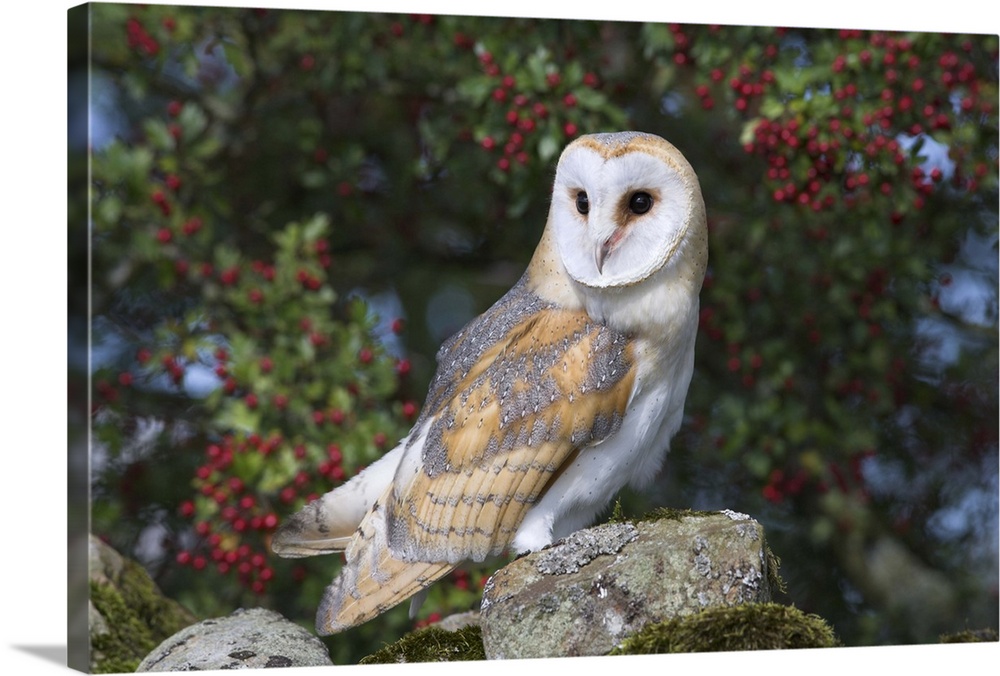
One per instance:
(504, 425)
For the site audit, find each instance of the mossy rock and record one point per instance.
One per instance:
(432, 644)
(752, 626)
(587, 593)
(129, 615)
(972, 636)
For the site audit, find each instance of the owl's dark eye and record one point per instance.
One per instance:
(582, 203)
(639, 203)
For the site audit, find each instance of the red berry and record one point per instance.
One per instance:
(174, 108)
(230, 276)
(191, 226)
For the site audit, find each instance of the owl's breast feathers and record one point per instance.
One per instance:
(518, 391)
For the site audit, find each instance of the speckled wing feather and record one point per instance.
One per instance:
(557, 383)
(517, 393)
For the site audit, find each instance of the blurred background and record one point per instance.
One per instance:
(290, 210)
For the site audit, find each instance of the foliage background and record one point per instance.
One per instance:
(846, 384)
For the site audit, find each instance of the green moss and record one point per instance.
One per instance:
(138, 618)
(432, 644)
(971, 636)
(773, 576)
(753, 626)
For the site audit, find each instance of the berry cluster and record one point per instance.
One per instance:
(840, 162)
(526, 108)
(882, 91)
(526, 103)
(314, 394)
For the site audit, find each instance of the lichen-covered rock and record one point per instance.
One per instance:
(128, 615)
(584, 594)
(245, 639)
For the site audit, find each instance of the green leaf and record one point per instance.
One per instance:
(236, 415)
(158, 134)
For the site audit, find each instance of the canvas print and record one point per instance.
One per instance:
(415, 338)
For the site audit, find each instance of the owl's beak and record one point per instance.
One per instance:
(602, 250)
(601, 253)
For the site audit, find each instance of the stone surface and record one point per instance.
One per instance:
(455, 622)
(245, 639)
(584, 594)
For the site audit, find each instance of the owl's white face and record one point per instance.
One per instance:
(622, 206)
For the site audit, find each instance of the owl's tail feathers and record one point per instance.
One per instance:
(328, 524)
(366, 588)
(316, 529)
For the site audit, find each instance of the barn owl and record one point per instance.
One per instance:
(542, 408)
